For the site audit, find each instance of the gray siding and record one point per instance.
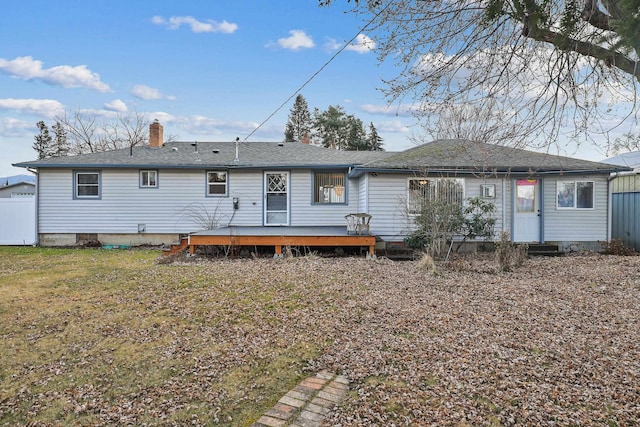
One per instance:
(178, 205)
(387, 206)
(305, 213)
(576, 225)
(388, 199)
(181, 195)
(363, 193)
(170, 208)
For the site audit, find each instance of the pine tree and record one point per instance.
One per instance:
(331, 127)
(60, 143)
(357, 137)
(374, 141)
(43, 143)
(299, 123)
(289, 133)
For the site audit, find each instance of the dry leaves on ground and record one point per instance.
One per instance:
(556, 342)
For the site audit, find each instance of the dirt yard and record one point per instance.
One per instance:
(556, 342)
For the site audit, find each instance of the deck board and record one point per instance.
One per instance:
(279, 237)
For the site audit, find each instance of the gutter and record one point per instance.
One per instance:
(188, 166)
(357, 171)
(37, 196)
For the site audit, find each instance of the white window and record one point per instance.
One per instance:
(216, 183)
(329, 187)
(424, 190)
(148, 179)
(575, 195)
(86, 185)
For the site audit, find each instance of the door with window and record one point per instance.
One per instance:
(276, 198)
(527, 215)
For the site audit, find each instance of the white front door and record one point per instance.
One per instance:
(526, 208)
(276, 198)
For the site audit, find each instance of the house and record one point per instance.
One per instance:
(258, 193)
(18, 189)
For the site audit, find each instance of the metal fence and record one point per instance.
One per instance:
(625, 210)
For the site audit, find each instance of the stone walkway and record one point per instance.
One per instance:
(307, 403)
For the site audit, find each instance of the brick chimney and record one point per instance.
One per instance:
(305, 139)
(155, 134)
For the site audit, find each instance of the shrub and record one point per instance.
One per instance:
(438, 222)
(617, 247)
(509, 255)
(427, 263)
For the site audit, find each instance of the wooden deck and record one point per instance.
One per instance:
(278, 237)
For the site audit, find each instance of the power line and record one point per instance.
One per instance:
(317, 72)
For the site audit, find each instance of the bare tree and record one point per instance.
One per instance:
(86, 134)
(81, 132)
(627, 143)
(537, 68)
(126, 131)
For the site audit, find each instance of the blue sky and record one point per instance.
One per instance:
(208, 70)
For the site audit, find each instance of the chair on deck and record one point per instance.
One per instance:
(358, 223)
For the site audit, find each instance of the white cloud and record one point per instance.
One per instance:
(10, 127)
(332, 45)
(27, 68)
(210, 26)
(40, 107)
(393, 126)
(201, 125)
(149, 93)
(362, 44)
(298, 39)
(116, 105)
(402, 110)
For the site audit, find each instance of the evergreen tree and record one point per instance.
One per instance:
(299, 123)
(60, 142)
(357, 136)
(374, 141)
(289, 133)
(331, 127)
(43, 143)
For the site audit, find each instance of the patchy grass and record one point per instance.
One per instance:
(102, 337)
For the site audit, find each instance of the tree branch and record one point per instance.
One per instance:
(610, 58)
(592, 14)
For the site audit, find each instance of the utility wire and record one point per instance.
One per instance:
(317, 72)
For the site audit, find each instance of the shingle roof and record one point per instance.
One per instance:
(455, 155)
(436, 156)
(18, 184)
(214, 154)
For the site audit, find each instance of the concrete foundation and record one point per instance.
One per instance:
(138, 239)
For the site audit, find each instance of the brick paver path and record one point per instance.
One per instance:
(307, 403)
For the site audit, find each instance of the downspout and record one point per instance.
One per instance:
(504, 204)
(541, 211)
(609, 202)
(37, 220)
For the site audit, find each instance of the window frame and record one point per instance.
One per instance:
(315, 190)
(77, 185)
(562, 185)
(410, 204)
(224, 184)
(141, 183)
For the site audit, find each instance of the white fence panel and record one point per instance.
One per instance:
(18, 221)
